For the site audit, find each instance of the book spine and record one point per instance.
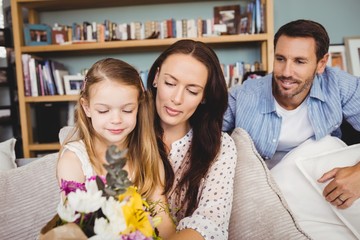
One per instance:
(26, 73)
(33, 77)
(41, 80)
(48, 78)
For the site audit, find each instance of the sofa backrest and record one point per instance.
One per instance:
(29, 197)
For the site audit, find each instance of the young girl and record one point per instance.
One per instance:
(114, 109)
(191, 98)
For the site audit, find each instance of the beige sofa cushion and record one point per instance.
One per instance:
(29, 196)
(259, 210)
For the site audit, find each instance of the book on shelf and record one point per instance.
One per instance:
(26, 74)
(33, 72)
(59, 71)
(48, 78)
(43, 91)
(256, 17)
(240, 71)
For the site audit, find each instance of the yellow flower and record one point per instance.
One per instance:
(136, 217)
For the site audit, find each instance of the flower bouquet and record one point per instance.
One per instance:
(103, 208)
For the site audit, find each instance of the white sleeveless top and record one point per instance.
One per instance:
(78, 147)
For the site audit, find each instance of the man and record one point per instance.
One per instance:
(301, 99)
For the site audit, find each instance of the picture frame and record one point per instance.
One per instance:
(59, 36)
(228, 15)
(37, 34)
(337, 56)
(352, 47)
(73, 84)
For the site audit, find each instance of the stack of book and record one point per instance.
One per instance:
(43, 76)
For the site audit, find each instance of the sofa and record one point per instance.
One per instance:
(30, 194)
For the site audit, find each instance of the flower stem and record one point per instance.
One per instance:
(82, 219)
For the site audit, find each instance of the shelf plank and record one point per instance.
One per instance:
(56, 5)
(44, 146)
(53, 98)
(140, 44)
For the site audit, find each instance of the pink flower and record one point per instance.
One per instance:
(93, 178)
(71, 186)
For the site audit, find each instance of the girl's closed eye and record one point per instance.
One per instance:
(102, 111)
(128, 110)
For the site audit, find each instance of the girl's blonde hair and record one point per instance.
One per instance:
(143, 154)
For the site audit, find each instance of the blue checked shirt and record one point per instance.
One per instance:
(334, 94)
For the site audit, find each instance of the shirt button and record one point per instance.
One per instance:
(274, 140)
(266, 158)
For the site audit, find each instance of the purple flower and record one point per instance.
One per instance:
(137, 235)
(71, 186)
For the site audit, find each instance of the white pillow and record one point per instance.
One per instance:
(313, 213)
(7, 154)
(314, 167)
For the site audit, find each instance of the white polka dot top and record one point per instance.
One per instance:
(211, 218)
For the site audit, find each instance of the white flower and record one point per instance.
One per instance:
(111, 228)
(104, 230)
(112, 209)
(86, 202)
(66, 213)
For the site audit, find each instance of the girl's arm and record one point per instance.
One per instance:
(167, 226)
(69, 168)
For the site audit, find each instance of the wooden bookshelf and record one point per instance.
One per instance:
(264, 40)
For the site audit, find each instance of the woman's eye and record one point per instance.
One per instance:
(193, 92)
(169, 83)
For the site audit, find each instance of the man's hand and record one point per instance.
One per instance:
(344, 187)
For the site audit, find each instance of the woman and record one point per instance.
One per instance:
(190, 96)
